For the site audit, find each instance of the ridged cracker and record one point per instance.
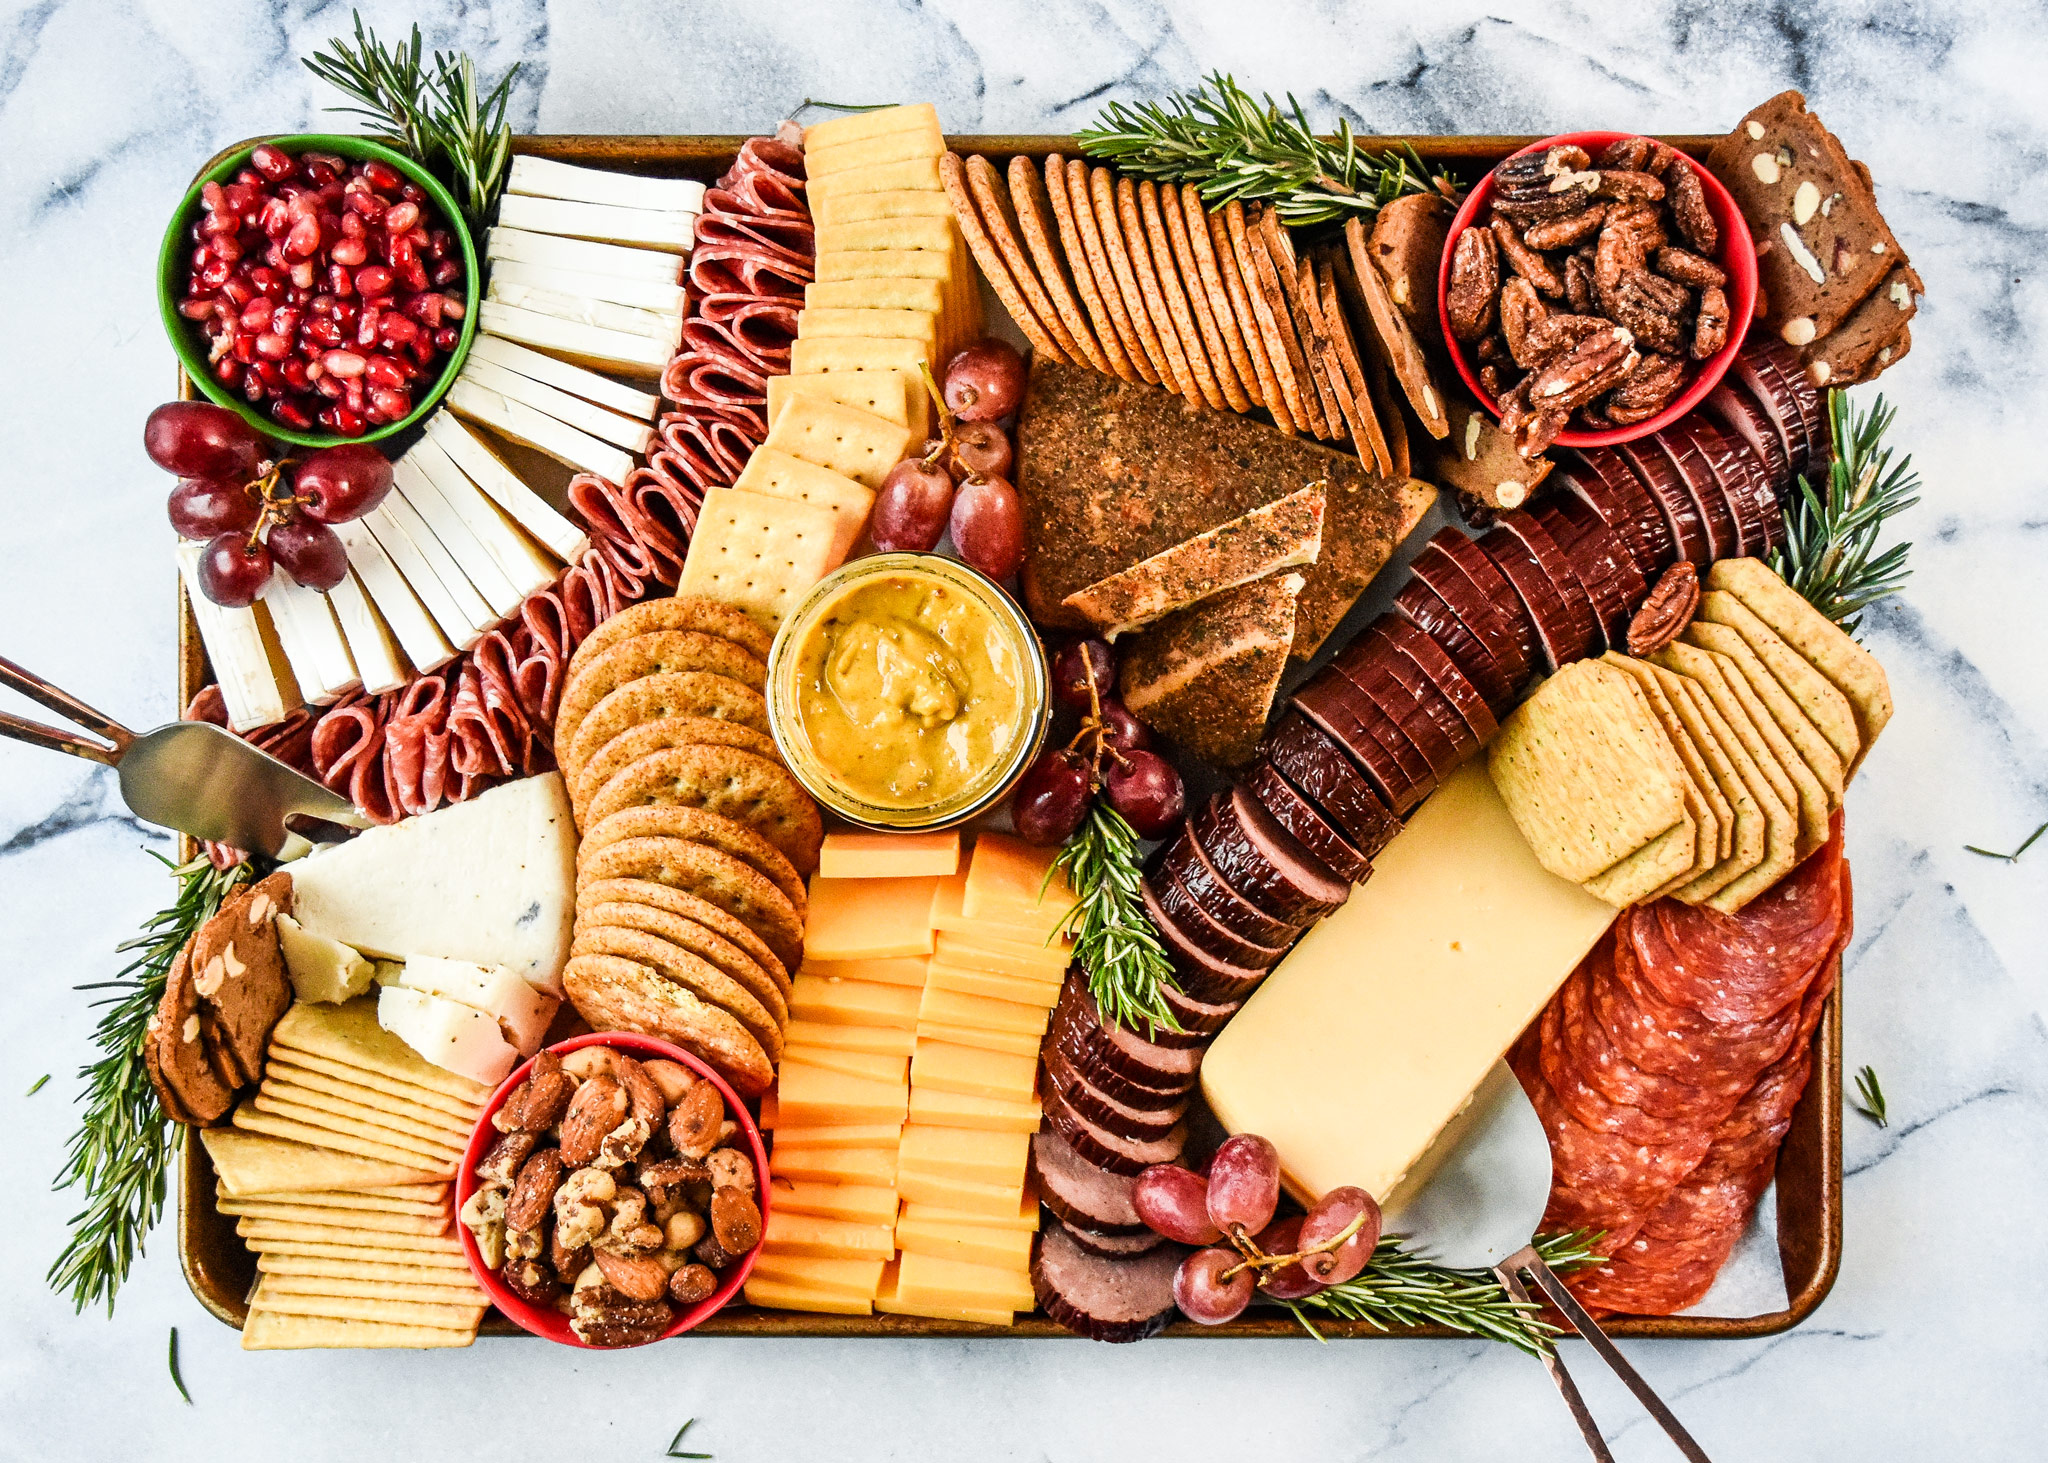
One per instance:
(658, 652)
(1204, 296)
(700, 940)
(1166, 269)
(753, 791)
(704, 694)
(592, 892)
(718, 878)
(689, 970)
(699, 826)
(1076, 252)
(617, 994)
(1080, 202)
(953, 177)
(993, 200)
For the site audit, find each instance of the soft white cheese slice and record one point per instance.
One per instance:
(413, 627)
(256, 683)
(311, 638)
(640, 294)
(452, 1036)
(667, 229)
(667, 329)
(608, 426)
(464, 547)
(545, 178)
(585, 344)
(551, 251)
(521, 1011)
(371, 645)
(491, 880)
(321, 969)
(538, 430)
(525, 563)
(451, 599)
(642, 406)
(561, 536)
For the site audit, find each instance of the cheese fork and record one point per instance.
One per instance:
(191, 776)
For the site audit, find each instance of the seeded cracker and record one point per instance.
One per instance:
(699, 826)
(993, 201)
(717, 878)
(591, 892)
(1204, 292)
(1166, 271)
(762, 554)
(625, 995)
(702, 941)
(1243, 327)
(1102, 198)
(952, 176)
(1278, 356)
(1826, 707)
(750, 790)
(659, 652)
(665, 730)
(1081, 208)
(690, 971)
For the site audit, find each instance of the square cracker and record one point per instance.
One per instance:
(1751, 801)
(920, 174)
(391, 1200)
(1809, 800)
(776, 474)
(849, 440)
(251, 1119)
(1715, 815)
(1586, 772)
(883, 394)
(877, 122)
(390, 1272)
(270, 1331)
(921, 326)
(349, 1033)
(1643, 875)
(282, 1068)
(299, 1231)
(853, 208)
(760, 553)
(908, 145)
(250, 1163)
(1817, 696)
(1812, 748)
(928, 295)
(431, 1151)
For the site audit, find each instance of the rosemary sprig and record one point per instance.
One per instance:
(1114, 941)
(1830, 555)
(1400, 1288)
(390, 85)
(121, 1153)
(473, 134)
(2014, 856)
(1870, 1097)
(177, 1378)
(1230, 145)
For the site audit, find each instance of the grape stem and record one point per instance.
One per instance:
(947, 421)
(1092, 725)
(1257, 1259)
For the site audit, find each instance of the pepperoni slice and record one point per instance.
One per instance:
(1589, 1049)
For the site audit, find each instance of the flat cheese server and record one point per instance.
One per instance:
(1473, 1202)
(192, 776)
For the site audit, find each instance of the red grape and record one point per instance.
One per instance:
(201, 508)
(1285, 1282)
(1326, 1220)
(985, 381)
(910, 511)
(1144, 788)
(1073, 666)
(233, 571)
(196, 439)
(337, 484)
(1051, 800)
(1122, 730)
(982, 447)
(1244, 1183)
(310, 552)
(1174, 1201)
(988, 526)
(1202, 1293)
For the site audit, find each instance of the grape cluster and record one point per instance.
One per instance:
(1111, 754)
(233, 497)
(919, 501)
(1228, 1209)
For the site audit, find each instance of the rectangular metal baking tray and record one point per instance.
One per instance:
(221, 1270)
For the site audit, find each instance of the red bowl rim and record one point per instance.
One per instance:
(1737, 255)
(552, 1324)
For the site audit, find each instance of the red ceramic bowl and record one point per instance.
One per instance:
(551, 1323)
(1737, 255)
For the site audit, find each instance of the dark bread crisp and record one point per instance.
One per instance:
(1407, 245)
(1205, 677)
(238, 971)
(1872, 337)
(186, 1080)
(1316, 763)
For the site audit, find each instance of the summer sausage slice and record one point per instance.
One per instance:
(1512, 636)
(1189, 862)
(1264, 862)
(1100, 1108)
(1601, 560)
(1102, 1298)
(1305, 820)
(1194, 924)
(1353, 720)
(1681, 448)
(1424, 606)
(1673, 498)
(1737, 413)
(1113, 1246)
(1078, 1192)
(1443, 673)
(1308, 757)
(1563, 613)
(1077, 1026)
(1100, 1146)
(1206, 976)
(1396, 681)
(1599, 478)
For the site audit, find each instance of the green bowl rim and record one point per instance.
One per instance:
(185, 337)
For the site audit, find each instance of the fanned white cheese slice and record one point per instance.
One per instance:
(538, 430)
(521, 1011)
(585, 416)
(551, 251)
(312, 640)
(454, 1037)
(396, 603)
(491, 880)
(256, 683)
(487, 470)
(463, 546)
(640, 294)
(464, 618)
(530, 567)
(375, 650)
(642, 406)
(667, 229)
(585, 344)
(583, 310)
(546, 178)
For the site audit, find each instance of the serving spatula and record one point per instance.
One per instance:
(192, 776)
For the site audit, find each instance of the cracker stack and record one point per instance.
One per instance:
(690, 875)
(1707, 771)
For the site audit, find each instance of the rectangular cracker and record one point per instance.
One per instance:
(299, 1231)
(920, 174)
(351, 1078)
(333, 1285)
(1751, 802)
(1638, 878)
(760, 553)
(1816, 695)
(430, 1150)
(777, 474)
(355, 1219)
(348, 1033)
(355, 1254)
(366, 1308)
(251, 1119)
(854, 208)
(884, 394)
(1166, 275)
(1812, 748)
(250, 1163)
(383, 1114)
(921, 326)
(270, 1331)
(902, 233)
(1080, 207)
(928, 295)
(455, 1119)
(381, 1202)
(389, 1272)
(1279, 249)
(849, 440)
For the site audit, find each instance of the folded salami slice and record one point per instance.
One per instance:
(1102, 1298)
(1491, 608)
(1603, 566)
(1194, 924)
(1424, 607)
(1305, 820)
(1327, 777)
(1080, 1193)
(1599, 477)
(1681, 448)
(1352, 719)
(1263, 862)
(1431, 659)
(1188, 862)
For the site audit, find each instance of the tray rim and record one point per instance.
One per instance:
(1811, 1246)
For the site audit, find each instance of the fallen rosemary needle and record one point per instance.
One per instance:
(2014, 856)
(176, 1380)
(1870, 1097)
(38, 1085)
(675, 1443)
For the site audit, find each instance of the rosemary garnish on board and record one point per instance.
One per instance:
(1830, 555)
(1233, 146)
(121, 1153)
(1113, 940)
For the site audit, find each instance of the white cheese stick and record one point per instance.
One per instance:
(256, 682)
(667, 229)
(586, 345)
(530, 567)
(463, 546)
(544, 178)
(311, 639)
(642, 406)
(371, 645)
(539, 431)
(563, 305)
(395, 600)
(663, 299)
(551, 251)
(460, 612)
(608, 426)
(487, 470)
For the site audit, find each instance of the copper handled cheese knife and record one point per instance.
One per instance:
(193, 776)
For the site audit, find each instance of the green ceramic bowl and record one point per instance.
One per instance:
(190, 343)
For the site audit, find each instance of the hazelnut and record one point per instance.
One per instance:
(673, 1078)
(694, 1124)
(685, 1228)
(691, 1284)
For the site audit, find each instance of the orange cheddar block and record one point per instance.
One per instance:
(902, 970)
(857, 1278)
(875, 1066)
(997, 1201)
(812, 1237)
(1004, 957)
(763, 1290)
(1025, 1216)
(811, 1097)
(766, 1122)
(846, 1135)
(930, 1280)
(1011, 1043)
(859, 1203)
(949, 917)
(946, 1067)
(889, 1303)
(978, 1244)
(869, 919)
(984, 1157)
(853, 1002)
(872, 1166)
(951, 1008)
(1006, 884)
(883, 1040)
(1024, 991)
(889, 855)
(935, 1107)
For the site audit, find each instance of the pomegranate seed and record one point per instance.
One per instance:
(267, 282)
(345, 314)
(215, 274)
(195, 309)
(323, 305)
(348, 423)
(349, 251)
(422, 350)
(252, 387)
(228, 372)
(242, 197)
(381, 175)
(413, 193)
(303, 275)
(340, 280)
(326, 385)
(320, 169)
(425, 308)
(304, 239)
(345, 364)
(352, 392)
(401, 218)
(245, 176)
(447, 338)
(228, 249)
(274, 163)
(353, 227)
(383, 371)
(366, 326)
(244, 348)
(276, 217)
(373, 279)
(291, 414)
(414, 273)
(395, 327)
(326, 417)
(256, 316)
(201, 257)
(324, 330)
(296, 375)
(271, 373)
(394, 404)
(453, 308)
(238, 291)
(418, 234)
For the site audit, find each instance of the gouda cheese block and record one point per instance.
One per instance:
(978, 1244)
(998, 1201)
(868, 919)
(1023, 990)
(861, 1203)
(985, 1157)
(946, 1067)
(811, 1237)
(1018, 1043)
(875, 1166)
(889, 1040)
(958, 1110)
(927, 1278)
(902, 970)
(808, 1096)
(889, 855)
(853, 1002)
(951, 1008)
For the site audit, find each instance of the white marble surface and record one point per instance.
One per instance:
(1934, 1340)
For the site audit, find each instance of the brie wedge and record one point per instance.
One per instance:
(311, 639)
(417, 634)
(525, 563)
(640, 294)
(321, 969)
(475, 562)
(551, 251)
(256, 682)
(371, 645)
(538, 430)
(521, 1011)
(668, 229)
(545, 178)
(487, 470)
(454, 1037)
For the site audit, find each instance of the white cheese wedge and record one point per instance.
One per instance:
(585, 344)
(379, 661)
(454, 1037)
(1374, 1031)
(642, 406)
(396, 604)
(256, 682)
(529, 566)
(321, 969)
(411, 483)
(312, 640)
(521, 1011)
(545, 178)
(661, 299)
(538, 430)
(583, 310)
(451, 599)
(608, 426)
(491, 880)
(487, 470)
(668, 229)
(551, 251)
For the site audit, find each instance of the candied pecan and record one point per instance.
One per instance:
(1519, 310)
(1565, 158)
(693, 1126)
(538, 1103)
(1689, 268)
(500, 1163)
(1667, 611)
(1563, 233)
(1578, 285)
(534, 1190)
(1710, 330)
(1475, 280)
(1628, 154)
(1490, 351)
(1531, 430)
(1690, 212)
(1646, 390)
(691, 1284)
(735, 1220)
(598, 1107)
(1540, 185)
(1525, 261)
(1589, 369)
(1626, 187)
(1649, 306)
(1628, 236)
(1553, 335)
(1497, 381)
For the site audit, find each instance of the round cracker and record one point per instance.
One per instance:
(1261, 317)
(676, 612)
(593, 892)
(1097, 255)
(659, 652)
(699, 826)
(1180, 242)
(700, 940)
(599, 766)
(616, 994)
(993, 200)
(750, 790)
(718, 878)
(689, 970)
(953, 178)
(1027, 199)
(1241, 316)
(1102, 199)
(650, 698)
(1077, 264)
(1138, 244)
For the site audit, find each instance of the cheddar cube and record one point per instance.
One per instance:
(875, 1066)
(808, 1096)
(857, 1278)
(946, 1067)
(998, 1201)
(1003, 957)
(1022, 990)
(937, 1108)
(978, 1244)
(872, 1166)
(950, 1008)
(765, 1290)
(887, 1040)
(930, 1280)
(1030, 928)
(853, 1002)
(812, 1237)
(860, 1203)
(889, 855)
(1007, 884)
(868, 919)
(902, 970)
(1013, 1043)
(845, 1135)
(984, 1157)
